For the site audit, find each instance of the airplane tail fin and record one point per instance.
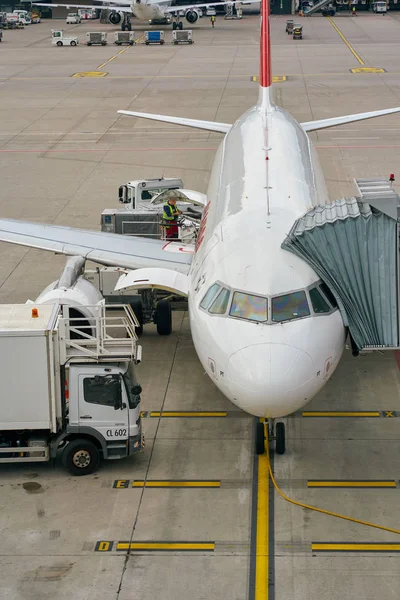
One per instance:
(264, 100)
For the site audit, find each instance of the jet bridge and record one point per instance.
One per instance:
(353, 245)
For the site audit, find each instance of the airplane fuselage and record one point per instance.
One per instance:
(147, 10)
(266, 174)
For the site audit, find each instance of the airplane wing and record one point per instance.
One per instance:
(108, 249)
(335, 121)
(208, 125)
(126, 8)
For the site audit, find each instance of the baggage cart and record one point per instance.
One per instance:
(182, 36)
(297, 32)
(154, 37)
(289, 26)
(124, 37)
(96, 38)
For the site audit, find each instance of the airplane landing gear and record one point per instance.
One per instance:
(126, 24)
(276, 433)
(177, 24)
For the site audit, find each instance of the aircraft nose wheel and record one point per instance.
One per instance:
(278, 436)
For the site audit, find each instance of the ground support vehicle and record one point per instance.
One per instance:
(124, 37)
(297, 32)
(69, 385)
(86, 13)
(328, 11)
(24, 17)
(143, 202)
(58, 39)
(380, 7)
(233, 12)
(182, 37)
(96, 38)
(289, 26)
(154, 37)
(73, 19)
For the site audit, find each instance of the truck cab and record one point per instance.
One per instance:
(79, 394)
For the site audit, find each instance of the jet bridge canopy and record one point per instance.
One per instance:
(353, 245)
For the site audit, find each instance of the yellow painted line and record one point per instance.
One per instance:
(168, 546)
(262, 534)
(275, 78)
(188, 413)
(176, 484)
(90, 74)
(350, 47)
(367, 70)
(103, 65)
(112, 58)
(349, 547)
(351, 484)
(341, 413)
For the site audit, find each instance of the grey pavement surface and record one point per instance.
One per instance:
(64, 152)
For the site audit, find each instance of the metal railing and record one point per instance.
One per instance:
(105, 336)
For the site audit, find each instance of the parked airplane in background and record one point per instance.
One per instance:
(157, 11)
(266, 329)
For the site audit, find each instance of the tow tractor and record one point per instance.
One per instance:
(141, 215)
(58, 39)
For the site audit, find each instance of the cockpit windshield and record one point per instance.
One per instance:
(315, 300)
(247, 306)
(290, 306)
(210, 294)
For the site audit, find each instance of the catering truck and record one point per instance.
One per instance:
(68, 384)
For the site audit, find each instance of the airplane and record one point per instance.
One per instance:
(154, 11)
(266, 329)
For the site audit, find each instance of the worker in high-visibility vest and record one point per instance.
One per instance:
(170, 216)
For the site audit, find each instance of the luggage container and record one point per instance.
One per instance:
(297, 32)
(289, 26)
(182, 36)
(154, 37)
(96, 38)
(124, 37)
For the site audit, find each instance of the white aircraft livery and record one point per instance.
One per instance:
(151, 10)
(265, 327)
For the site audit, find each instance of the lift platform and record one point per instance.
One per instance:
(353, 245)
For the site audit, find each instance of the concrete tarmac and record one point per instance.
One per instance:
(195, 515)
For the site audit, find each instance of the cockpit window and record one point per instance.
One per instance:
(246, 306)
(328, 294)
(220, 304)
(290, 306)
(209, 295)
(318, 302)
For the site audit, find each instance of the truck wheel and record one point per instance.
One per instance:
(59, 43)
(73, 43)
(163, 317)
(137, 307)
(81, 457)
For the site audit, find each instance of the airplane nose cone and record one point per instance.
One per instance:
(270, 380)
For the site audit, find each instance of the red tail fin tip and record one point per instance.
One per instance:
(265, 47)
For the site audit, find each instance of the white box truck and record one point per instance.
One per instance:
(68, 385)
